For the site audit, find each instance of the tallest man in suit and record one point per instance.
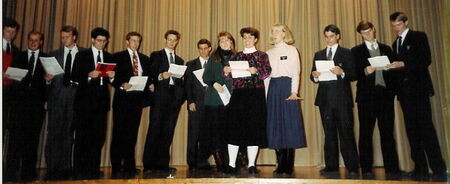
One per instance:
(413, 56)
(168, 93)
(61, 94)
(335, 102)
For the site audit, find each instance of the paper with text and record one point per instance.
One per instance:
(324, 67)
(379, 62)
(137, 83)
(51, 65)
(239, 69)
(177, 70)
(199, 75)
(16, 73)
(225, 96)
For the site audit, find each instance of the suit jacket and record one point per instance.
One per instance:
(9, 59)
(366, 83)
(32, 88)
(57, 89)
(90, 96)
(338, 92)
(124, 71)
(195, 91)
(415, 53)
(159, 64)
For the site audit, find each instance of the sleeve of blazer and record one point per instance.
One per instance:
(154, 67)
(349, 66)
(419, 54)
(361, 62)
(120, 76)
(313, 68)
(189, 81)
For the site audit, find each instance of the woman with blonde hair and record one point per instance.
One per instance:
(285, 130)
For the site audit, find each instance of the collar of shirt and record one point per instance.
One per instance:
(333, 49)
(131, 53)
(168, 51)
(370, 43)
(4, 42)
(281, 44)
(403, 34)
(74, 50)
(202, 60)
(249, 50)
(95, 51)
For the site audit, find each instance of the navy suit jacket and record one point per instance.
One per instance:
(338, 92)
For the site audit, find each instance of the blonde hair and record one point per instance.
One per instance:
(288, 38)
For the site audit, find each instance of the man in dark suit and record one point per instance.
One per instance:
(197, 156)
(9, 52)
(91, 105)
(127, 105)
(61, 95)
(335, 102)
(375, 98)
(169, 96)
(413, 56)
(27, 113)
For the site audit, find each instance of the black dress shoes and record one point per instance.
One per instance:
(329, 171)
(252, 170)
(229, 170)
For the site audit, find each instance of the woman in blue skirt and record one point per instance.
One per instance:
(285, 130)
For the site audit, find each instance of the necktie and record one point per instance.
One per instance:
(372, 46)
(67, 68)
(99, 59)
(31, 63)
(399, 44)
(330, 54)
(135, 65)
(172, 61)
(8, 48)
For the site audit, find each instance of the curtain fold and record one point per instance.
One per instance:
(196, 19)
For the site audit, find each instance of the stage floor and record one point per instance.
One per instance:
(301, 175)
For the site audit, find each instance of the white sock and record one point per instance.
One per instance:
(252, 152)
(232, 154)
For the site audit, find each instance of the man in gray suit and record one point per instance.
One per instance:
(58, 152)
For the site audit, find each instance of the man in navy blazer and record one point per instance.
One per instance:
(61, 96)
(168, 98)
(92, 104)
(375, 98)
(413, 56)
(27, 112)
(335, 102)
(127, 105)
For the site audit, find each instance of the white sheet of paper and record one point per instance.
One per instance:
(324, 67)
(225, 96)
(199, 75)
(51, 65)
(379, 61)
(137, 83)
(240, 69)
(177, 70)
(16, 73)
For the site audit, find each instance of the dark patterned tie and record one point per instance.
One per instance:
(31, 63)
(330, 54)
(399, 44)
(99, 59)
(67, 68)
(135, 65)
(172, 61)
(8, 48)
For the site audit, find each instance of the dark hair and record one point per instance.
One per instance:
(71, 29)
(9, 22)
(176, 33)
(41, 35)
(133, 33)
(332, 28)
(203, 41)
(216, 52)
(99, 31)
(364, 25)
(398, 16)
(250, 30)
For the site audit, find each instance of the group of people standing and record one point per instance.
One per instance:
(78, 102)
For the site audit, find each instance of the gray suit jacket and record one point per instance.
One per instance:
(58, 93)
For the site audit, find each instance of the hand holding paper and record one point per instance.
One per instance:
(105, 67)
(379, 62)
(51, 65)
(324, 67)
(16, 73)
(137, 83)
(177, 70)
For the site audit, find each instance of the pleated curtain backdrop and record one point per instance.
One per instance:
(196, 19)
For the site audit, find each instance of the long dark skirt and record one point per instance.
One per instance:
(247, 117)
(284, 117)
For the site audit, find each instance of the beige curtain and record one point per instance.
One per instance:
(196, 19)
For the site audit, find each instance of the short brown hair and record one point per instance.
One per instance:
(364, 25)
(176, 33)
(398, 16)
(41, 35)
(204, 41)
(250, 30)
(133, 33)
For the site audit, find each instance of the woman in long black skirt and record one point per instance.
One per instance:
(247, 109)
(285, 130)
